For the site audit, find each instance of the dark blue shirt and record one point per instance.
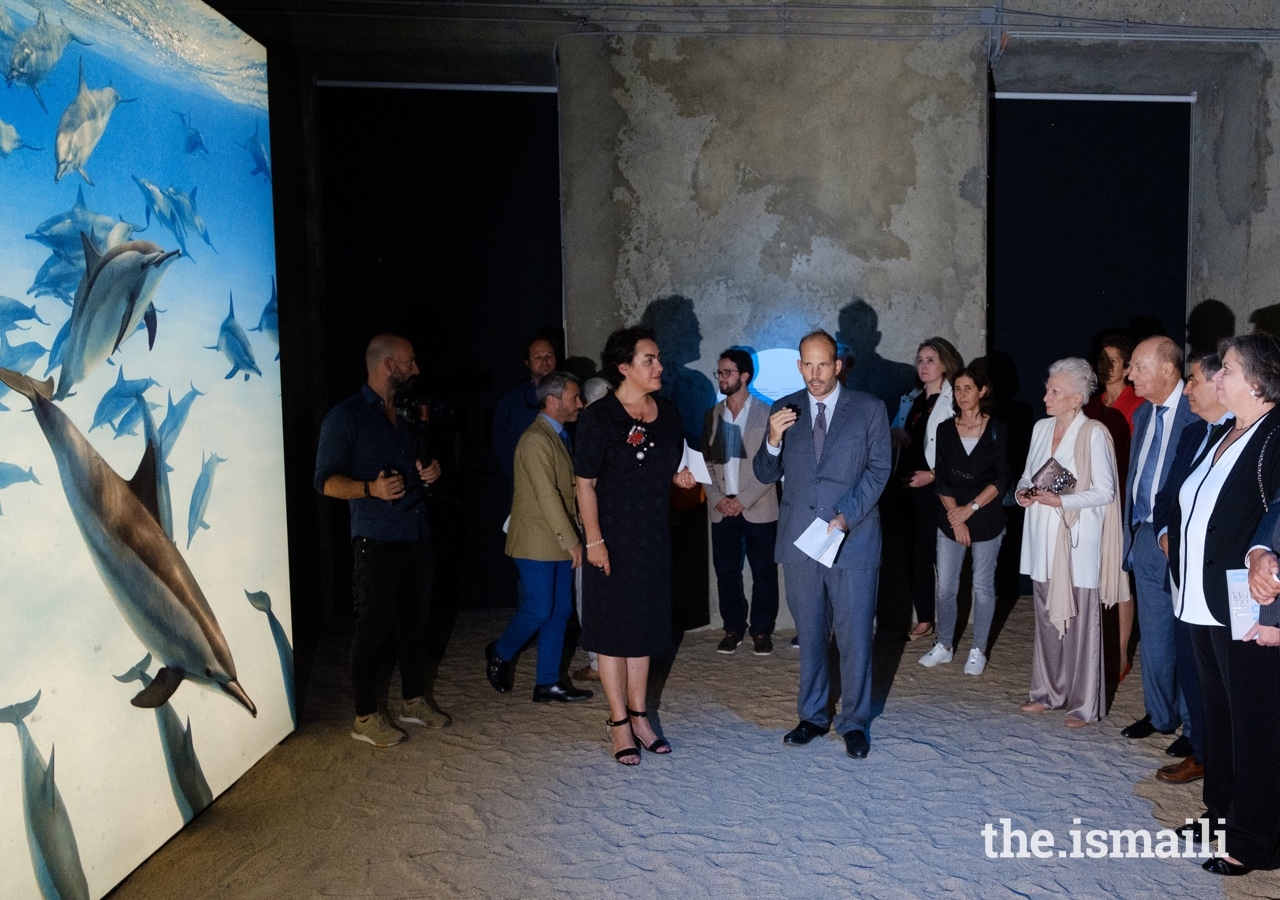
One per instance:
(359, 441)
(514, 414)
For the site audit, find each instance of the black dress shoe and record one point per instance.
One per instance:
(1179, 749)
(561, 692)
(1220, 866)
(803, 733)
(1193, 828)
(1143, 729)
(856, 744)
(497, 669)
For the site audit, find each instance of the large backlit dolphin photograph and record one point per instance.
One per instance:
(127, 141)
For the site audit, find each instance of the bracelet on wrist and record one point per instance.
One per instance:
(366, 489)
(591, 544)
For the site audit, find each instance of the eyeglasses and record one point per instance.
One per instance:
(725, 373)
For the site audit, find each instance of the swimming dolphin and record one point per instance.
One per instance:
(132, 418)
(234, 345)
(81, 127)
(258, 153)
(261, 601)
(13, 311)
(186, 777)
(175, 417)
(50, 838)
(61, 232)
(119, 397)
(184, 210)
(36, 51)
(142, 570)
(269, 321)
(164, 497)
(200, 495)
(161, 205)
(57, 278)
(192, 140)
(113, 297)
(20, 358)
(10, 140)
(59, 342)
(11, 475)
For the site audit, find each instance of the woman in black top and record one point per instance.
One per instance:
(628, 448)
(972, 473)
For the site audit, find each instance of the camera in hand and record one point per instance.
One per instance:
(414, 487)
(794, 407)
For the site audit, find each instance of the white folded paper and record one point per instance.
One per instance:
(1244, 609)
(695, 463)
(818, 544)
(506, 524)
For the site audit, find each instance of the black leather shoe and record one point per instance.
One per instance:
(1220, 866)
(1193, 828)
(497, 670)
(856, 744)
(803, 733)
(1179, 749)
(562, 692)
(1143, 729)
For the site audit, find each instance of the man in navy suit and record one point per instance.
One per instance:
(832, 445)
(1156, 372)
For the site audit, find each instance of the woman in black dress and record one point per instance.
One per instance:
(629, 445)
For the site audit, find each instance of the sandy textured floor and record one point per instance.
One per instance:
(523, 800)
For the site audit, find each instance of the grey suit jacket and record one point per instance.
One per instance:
(1141, 419)
(855, 465)
(760, 500)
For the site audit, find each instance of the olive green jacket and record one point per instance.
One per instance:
(544, 511)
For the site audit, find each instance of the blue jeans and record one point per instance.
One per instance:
(546, 599)
(950, 559)
(731, 537)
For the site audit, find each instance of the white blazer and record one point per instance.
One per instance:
(943, 409)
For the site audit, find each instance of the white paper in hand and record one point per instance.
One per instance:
(1244, 609)
(695, 463)
(818, 544)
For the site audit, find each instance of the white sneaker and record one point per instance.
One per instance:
(939, 654)
(977, 662)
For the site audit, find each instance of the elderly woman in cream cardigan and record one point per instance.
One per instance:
(1071, 547)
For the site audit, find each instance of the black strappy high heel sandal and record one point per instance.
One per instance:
(659, 745)
(628, 752)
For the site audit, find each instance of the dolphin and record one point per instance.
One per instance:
(20, 358)
(269, 321)
(132, 418)
(234, 345)
(186, 777)
(61, 232)
(11, 475)
(261, 601)
(113, 297)
(161, 205)
(36, 51)
(81, 127)
(12, 312)
(174, 418)
(55, 352)
(50, 837)
(192, 140)
(258, 153)
(184, 210)
(119, 397)
(10, 140)
(164, 497)
(200, 495)
(57, 278)
(142, 570)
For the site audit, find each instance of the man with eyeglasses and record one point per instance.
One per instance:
(744, 512)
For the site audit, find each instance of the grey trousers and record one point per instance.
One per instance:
(1066, 672)
(950, 558)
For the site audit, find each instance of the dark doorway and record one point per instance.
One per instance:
(442, 223)
(1088, 210)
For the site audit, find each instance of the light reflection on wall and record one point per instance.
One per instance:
(776, 373)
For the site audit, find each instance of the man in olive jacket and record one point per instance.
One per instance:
(542, 538)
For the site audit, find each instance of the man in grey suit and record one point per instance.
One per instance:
(832, 446)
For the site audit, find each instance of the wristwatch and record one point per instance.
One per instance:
(975, 506)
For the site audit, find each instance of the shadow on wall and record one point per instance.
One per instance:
(680, 340)
(1266, 320)
(859, 331)
(1209, 322)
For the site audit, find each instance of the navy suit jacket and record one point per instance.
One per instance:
(848, 480)
(1141, 419)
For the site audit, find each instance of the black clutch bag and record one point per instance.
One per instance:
(1052, 477)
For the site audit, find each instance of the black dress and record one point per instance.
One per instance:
(628, 612)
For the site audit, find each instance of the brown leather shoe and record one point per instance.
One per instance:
(1181, 773)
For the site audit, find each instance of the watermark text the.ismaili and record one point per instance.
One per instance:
(1007, 842)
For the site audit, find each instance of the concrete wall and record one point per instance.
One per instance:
(773, 182)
